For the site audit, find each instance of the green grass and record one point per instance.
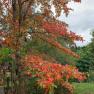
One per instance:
(84, 88)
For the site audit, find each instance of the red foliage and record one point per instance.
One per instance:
(60, 29)
(77, 0)
(66, 50)
(48, 72)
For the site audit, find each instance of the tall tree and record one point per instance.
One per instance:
(23, 20)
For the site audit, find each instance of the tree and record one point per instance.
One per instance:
(19, 12)
(20, 21)
(86, 57)
(92, 50)
(86, 62)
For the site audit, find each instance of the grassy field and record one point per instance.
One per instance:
(84, 88)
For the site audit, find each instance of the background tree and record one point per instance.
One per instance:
(86, 62)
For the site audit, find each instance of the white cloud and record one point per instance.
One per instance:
(81, 20)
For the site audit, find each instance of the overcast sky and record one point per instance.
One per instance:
(81, 20)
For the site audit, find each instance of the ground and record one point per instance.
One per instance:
(80, 88)
(84, 88)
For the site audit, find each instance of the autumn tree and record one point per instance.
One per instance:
(21, 22)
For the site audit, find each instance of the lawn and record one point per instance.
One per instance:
(84, 88)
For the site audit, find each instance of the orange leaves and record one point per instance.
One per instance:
(46, 12)
(62, 5)
(48, 72)
(59, 46)
(11, 41)
(68, 86)
(66, 10)
(38, 18)
(57, 28)
(77, 0)
(71, 71)
(8, 41)
(53, 27)
(66, 50)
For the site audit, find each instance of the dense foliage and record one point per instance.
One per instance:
(20, 24)
(86, 62)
